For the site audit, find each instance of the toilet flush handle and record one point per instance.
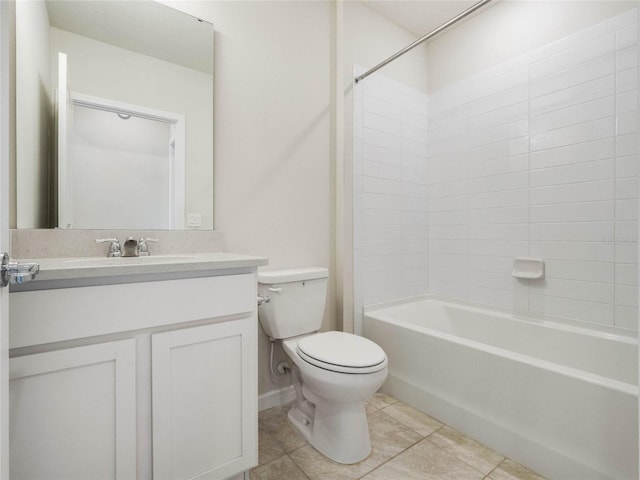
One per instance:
(275, 289)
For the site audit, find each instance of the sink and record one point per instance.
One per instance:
(83, 271)
(113, 261)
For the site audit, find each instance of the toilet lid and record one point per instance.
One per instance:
(342, 352)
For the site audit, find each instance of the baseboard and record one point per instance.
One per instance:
(275, 398)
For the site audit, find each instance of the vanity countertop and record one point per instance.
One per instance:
(81, 271)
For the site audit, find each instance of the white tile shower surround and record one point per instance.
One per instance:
(390, 222)
(535, 157)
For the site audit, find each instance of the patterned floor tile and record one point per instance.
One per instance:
(388, 438)
(276, 423)
(510, 470)
(425, 461)
(412, 418)
(380, 400)
(279, 469)
(466, 449)
(268, 448)
(406, 445)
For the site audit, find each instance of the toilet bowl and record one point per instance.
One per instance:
(337, 426)
(334, 373)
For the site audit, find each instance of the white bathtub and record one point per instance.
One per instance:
(558, 398)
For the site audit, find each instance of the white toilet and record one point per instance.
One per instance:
(339, 371)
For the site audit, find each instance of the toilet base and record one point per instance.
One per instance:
(338, 430)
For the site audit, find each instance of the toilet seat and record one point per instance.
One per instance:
(342, 352)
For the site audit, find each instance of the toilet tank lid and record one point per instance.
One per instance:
(292, 275)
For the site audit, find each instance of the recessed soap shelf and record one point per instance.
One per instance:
(528, 268)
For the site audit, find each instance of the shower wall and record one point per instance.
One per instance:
(390, 193)
(535, 157)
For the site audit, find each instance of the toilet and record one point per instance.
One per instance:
(334, 373)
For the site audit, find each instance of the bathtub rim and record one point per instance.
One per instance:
(592, 378)
(611, 332)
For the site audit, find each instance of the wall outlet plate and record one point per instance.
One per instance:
(194, 220)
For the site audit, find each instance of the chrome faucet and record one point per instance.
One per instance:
(143, 248)
(130, 247)
(114, 248)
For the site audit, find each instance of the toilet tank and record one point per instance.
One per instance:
(297, 299)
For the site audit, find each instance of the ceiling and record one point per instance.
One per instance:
(419, 16)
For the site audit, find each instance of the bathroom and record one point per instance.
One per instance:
(285, 149)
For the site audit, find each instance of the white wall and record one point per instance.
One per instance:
(504, 29)
(272, 105)
(369, 38)
(132, 157)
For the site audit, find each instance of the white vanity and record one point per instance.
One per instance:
(135, 368)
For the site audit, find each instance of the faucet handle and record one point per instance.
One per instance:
(114, 248)
(143, 248)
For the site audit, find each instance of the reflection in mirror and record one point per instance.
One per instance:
(133, 150)
(83, 162)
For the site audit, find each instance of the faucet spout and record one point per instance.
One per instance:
(130, 247)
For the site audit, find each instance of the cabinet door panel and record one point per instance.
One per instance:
(72, 413)
(204, 401)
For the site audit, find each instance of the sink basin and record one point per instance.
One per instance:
(109, 261)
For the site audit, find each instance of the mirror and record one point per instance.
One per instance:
(114, 122)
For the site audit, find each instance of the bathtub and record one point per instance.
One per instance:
(557, 397)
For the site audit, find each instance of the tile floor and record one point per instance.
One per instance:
(407, 445)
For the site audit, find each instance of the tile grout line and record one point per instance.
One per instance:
(426, 437)
(296, 463)
(462, 459)
(495, 468)
(395, 456)
(442, 425)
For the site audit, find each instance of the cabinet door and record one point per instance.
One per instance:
(204, 395)
(73, 413)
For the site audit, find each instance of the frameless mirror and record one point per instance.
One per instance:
(114, 119)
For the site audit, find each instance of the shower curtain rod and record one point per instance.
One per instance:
(422, 39)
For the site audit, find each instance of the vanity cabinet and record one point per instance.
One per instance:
(153, 379)
(199, 375)
(73, 411)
